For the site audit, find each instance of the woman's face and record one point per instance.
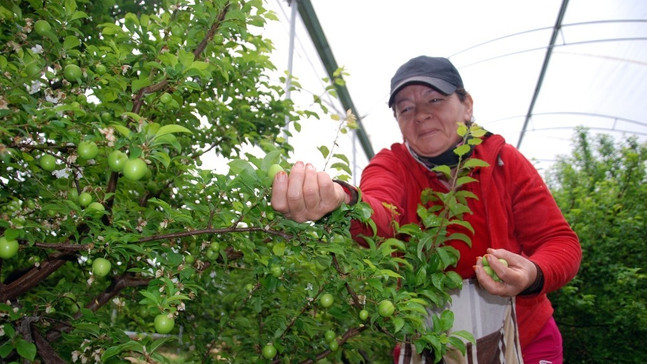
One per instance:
(428, 118)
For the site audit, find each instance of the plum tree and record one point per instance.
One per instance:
(108, 243)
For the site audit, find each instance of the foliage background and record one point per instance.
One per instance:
(601, 189)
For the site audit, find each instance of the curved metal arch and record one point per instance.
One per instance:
(546, 28)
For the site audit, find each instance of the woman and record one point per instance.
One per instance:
(514, 218)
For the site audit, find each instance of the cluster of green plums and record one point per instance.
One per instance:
(490, 271)
(133, 169)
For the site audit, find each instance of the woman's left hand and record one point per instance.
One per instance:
(515, 278)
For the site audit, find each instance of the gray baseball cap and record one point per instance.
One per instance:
(437, 72)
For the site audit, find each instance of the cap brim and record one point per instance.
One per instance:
(441, 85)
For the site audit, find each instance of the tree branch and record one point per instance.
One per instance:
(342, 275)
(118, 284)
(347, 335)
(183, 234)
(65, 246)
(45, 350)
(139, 98)
(34, 276)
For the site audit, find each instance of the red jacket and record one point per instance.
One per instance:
(515, 208)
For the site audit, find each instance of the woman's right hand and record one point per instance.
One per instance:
(306, 194)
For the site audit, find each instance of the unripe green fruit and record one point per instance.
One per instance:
(100, 69)
(490, 271)
(87, 150)
(116, 160)
(96, 209)
(215, 246)
(269, 351)
(47, 162)
(273, 170)
(326, 300)
(166, 98)
(333, 345)
(42, 27)
(73, 194)
(163, 323)
(329, 336)
(85, 199)
(385, 308)
(72, 72)
(276, 271)
(33, 69)
(8, 248)
(363, 315)
(101, 267)
(135, 169)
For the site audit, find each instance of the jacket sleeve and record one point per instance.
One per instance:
(382, 187)
(543, 233)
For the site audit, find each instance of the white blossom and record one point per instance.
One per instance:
(153, 262)
(34, 87)
(38, 49)
(61, 173)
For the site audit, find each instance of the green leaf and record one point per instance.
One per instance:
(462, 130)
(461, 150)
(342, 167)
(237, 166)
(272, 157)
(475, 162)
(109, 29)
(398, 324)
(70, 7)
(186, 58)
(458, 344)
(462, 237)
(168, 59)
(445, 170)
(161, 157)
(446, 320)
(199, 65)
(464, 180)
(26, 349)
(5, 349)
(172, 128)
(278, 249)
(409, 229)
(138, 84)
(78, 15)
(477, 131)
(391, 245)
(11, 234)
(465, 335)
(324, 151)
(342, 157)
(127, 346)
(71, 42)
(157, 343)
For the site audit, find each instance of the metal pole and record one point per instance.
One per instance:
(544, 67)
(294, 4)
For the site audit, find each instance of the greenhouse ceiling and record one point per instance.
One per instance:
(536, 69)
